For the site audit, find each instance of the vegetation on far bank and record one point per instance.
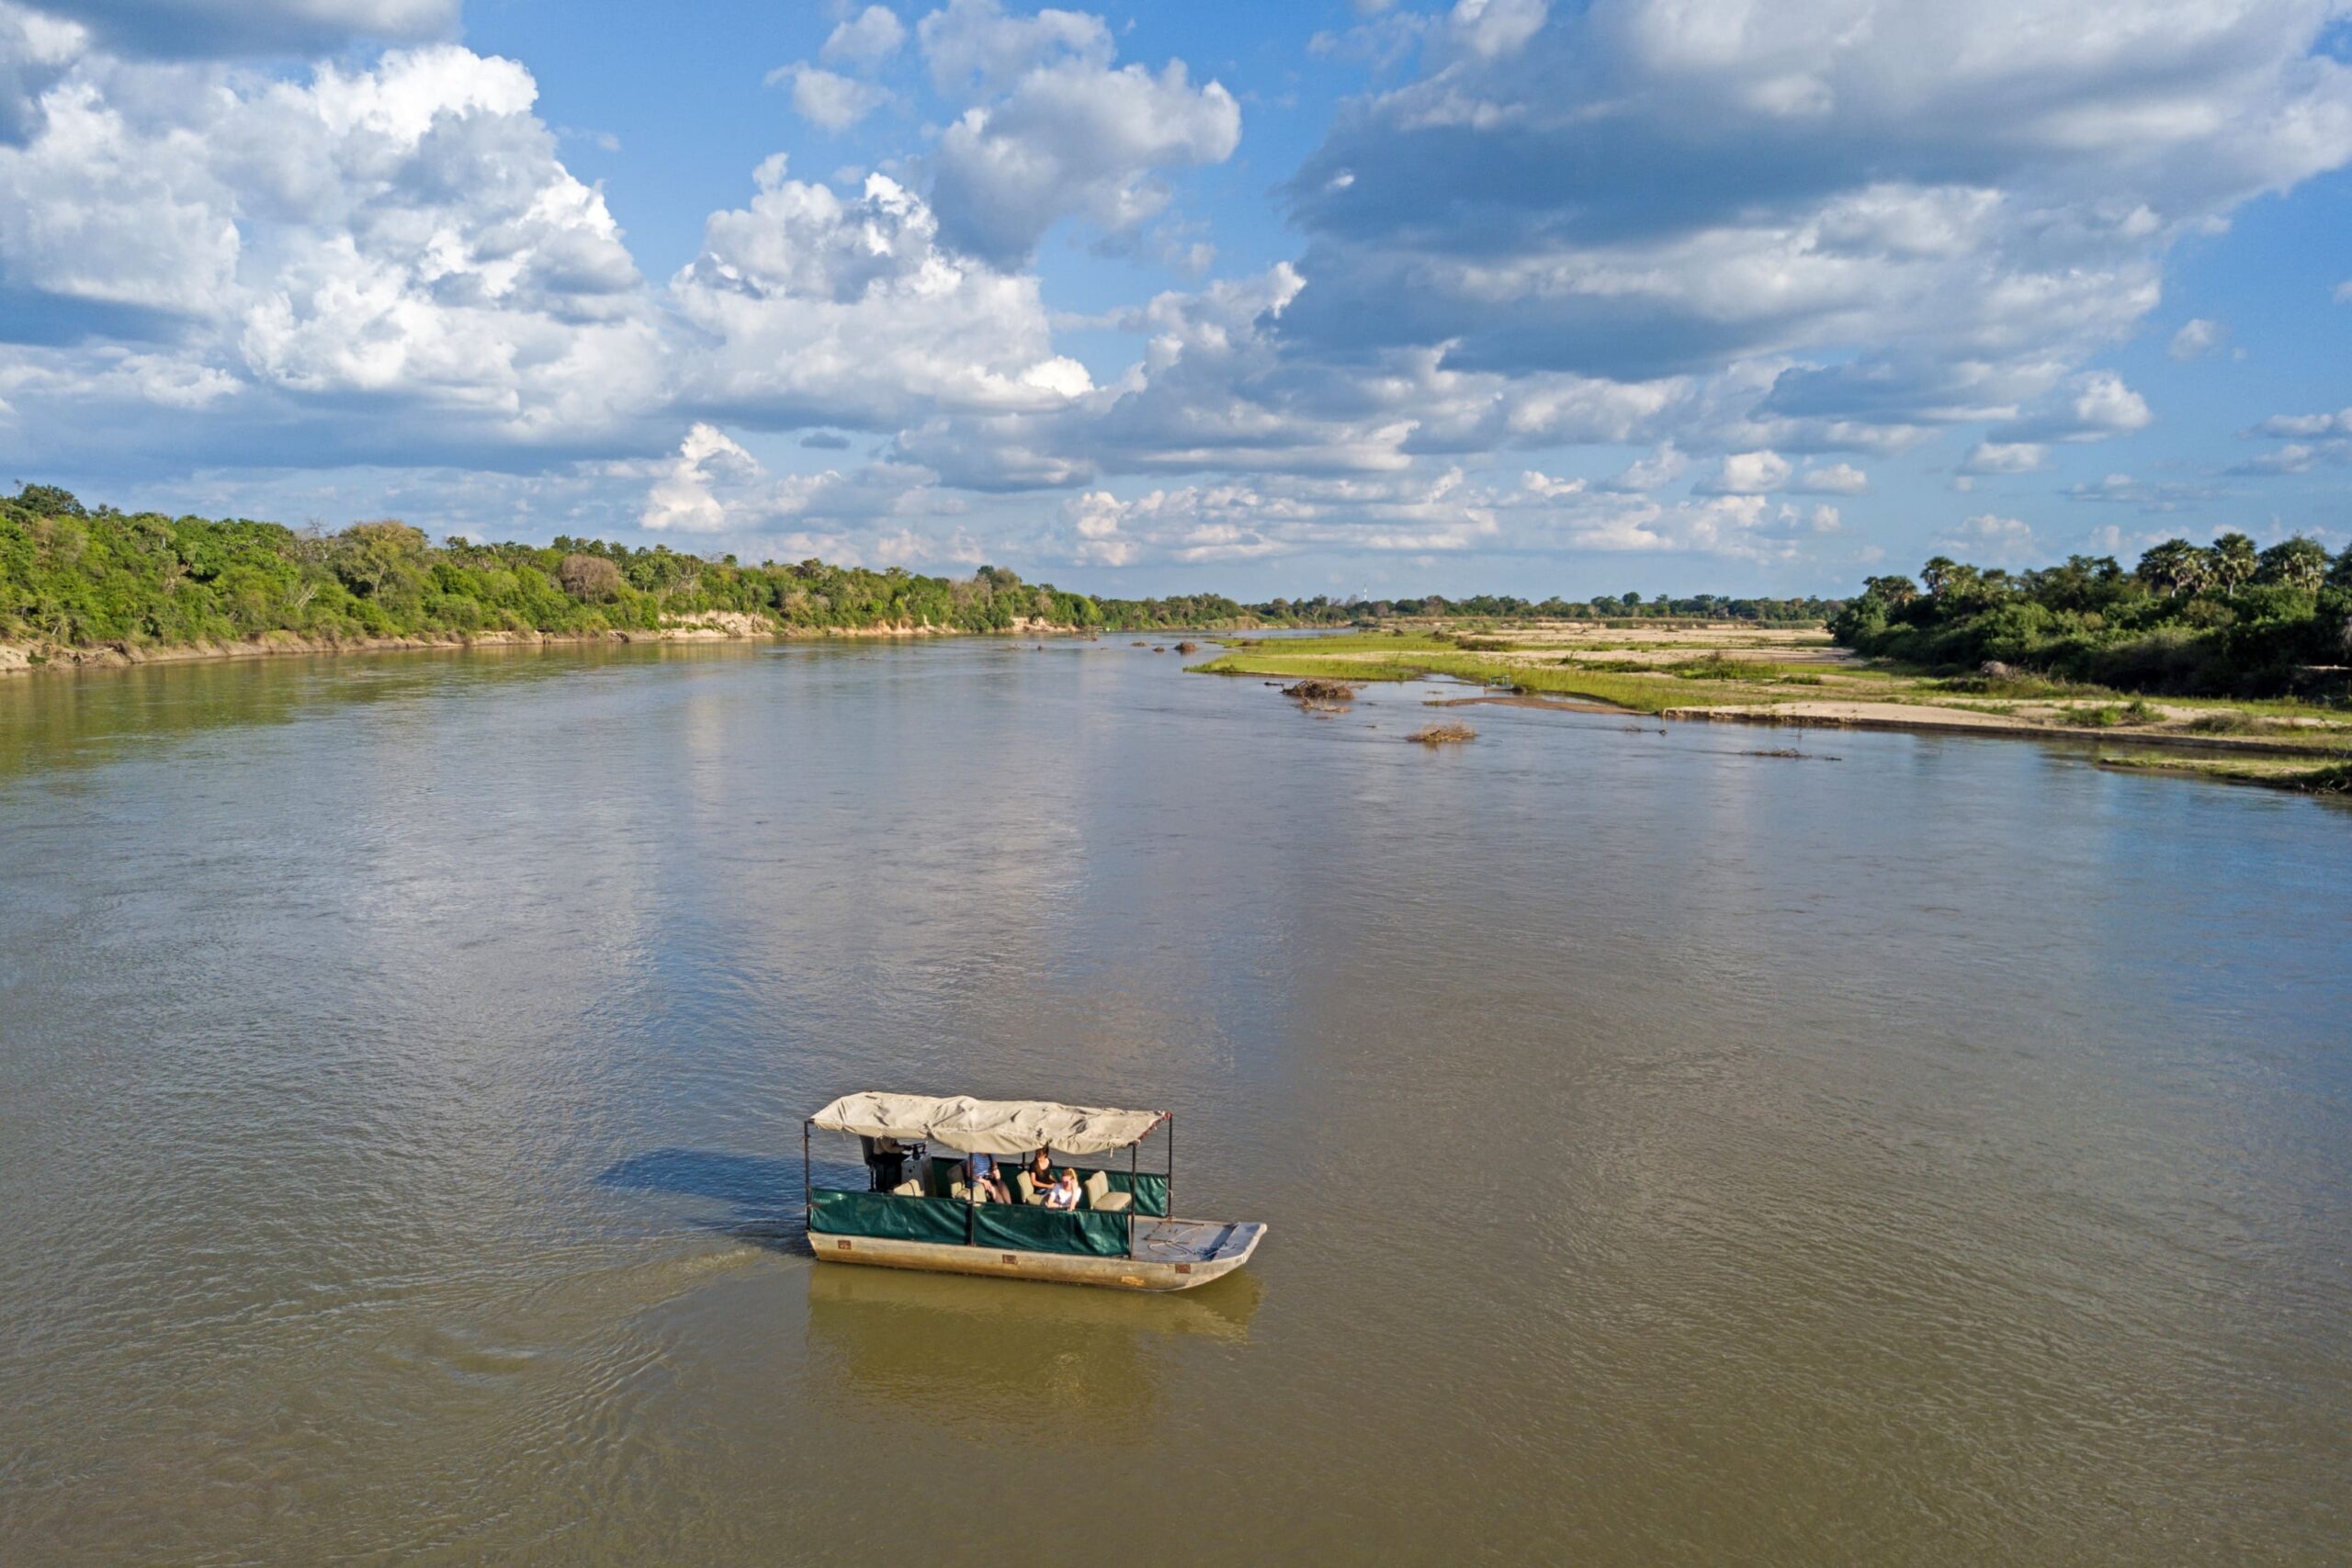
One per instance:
(76, 577)
(2223, 620)
(82, 577)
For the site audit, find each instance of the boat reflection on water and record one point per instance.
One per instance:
(949, 1343)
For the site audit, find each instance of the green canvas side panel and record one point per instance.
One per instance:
(879, 1214)
(1152, 1191)
(1020, 1229)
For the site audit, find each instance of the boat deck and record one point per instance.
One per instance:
(1192, 1241)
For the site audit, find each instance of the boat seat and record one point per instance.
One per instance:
(1028, 1184)
(965, 1192)
(910, 1187)
(1100, 1198)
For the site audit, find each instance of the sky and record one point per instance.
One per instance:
(1355, 297)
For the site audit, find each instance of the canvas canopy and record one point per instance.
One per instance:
(986, 1127)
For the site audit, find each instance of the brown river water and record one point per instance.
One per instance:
(1941, 1154)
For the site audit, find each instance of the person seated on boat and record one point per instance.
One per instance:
(986, 1180)
(885, 1162)
(1064, 1193)
(1037, 1178)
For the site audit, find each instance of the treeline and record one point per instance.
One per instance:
(76, 576)
(1213, 610)
(2226, 619)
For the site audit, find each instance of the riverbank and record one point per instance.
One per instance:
(1746, 674)
(16, 659)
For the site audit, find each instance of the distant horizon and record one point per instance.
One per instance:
(1346, 297)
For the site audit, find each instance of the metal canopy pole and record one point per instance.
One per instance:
(808, 1194)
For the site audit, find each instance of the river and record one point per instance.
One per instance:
(1922, 1149)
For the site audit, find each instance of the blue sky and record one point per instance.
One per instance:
(1362, 296)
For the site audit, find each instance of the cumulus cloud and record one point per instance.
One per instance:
(1833, 478)
(1988, 539)
(35, 51)
(1490, 27)
(1666, 188)
(404, 233)
(2006, 458)
(817, 308)
(1074, 138)
(194, 29)
(2095, 405)
(1747, 473)
(874, 35)
(1660, 468)
(2123, 489)
(713, 486)
(975, 49)
(826, 99)
(2197, 338)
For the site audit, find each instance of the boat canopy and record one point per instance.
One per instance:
(987, 1126)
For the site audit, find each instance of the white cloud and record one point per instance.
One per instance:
(827, 100)
(2197, 338)
(194, 29)
(820, 309)
(686, 497)
(1074, 137)
(1659, 189)
(2099, 406)
(404, 232)
(2006, 458)
(1833, 478)
(1537, 484)
(1988, 540)
(2344, 293)
(1660, 468)
(874, 35)
(1747, 473)
(973, 48)
(1491, 28)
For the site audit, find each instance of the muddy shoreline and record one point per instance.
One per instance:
(26, 658)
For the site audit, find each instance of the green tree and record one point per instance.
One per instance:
(2293, 563)
(2234, 560)
(2176, 565)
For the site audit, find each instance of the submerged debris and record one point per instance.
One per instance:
(1792, 752)
(1316, 692)
(1437, 735)
(1188, 648)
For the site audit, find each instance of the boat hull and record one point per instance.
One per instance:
(1171, 1255)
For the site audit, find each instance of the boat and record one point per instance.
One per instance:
(918, 1212)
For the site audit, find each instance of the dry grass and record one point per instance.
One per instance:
(1316, 694)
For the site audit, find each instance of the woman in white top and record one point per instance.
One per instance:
(1065, 1191)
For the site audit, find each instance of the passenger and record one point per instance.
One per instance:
(1040, 1174)
(885, 1163)
(1065, 1191)
(988, 1182)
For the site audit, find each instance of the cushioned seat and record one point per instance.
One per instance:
(1029, 1192)
(970, 1193)
(910, 1187)
(1100, 1197)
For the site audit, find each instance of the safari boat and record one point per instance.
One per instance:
(917, 1211)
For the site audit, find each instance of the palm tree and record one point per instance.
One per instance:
(2233, 562)
(2176, 565)
(2294, 563)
